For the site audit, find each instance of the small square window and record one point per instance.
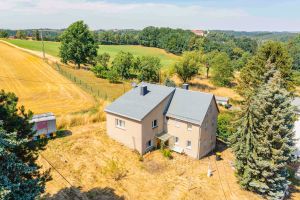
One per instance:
(189, 127)
(176, 140)
(188, 144)
(154, 123)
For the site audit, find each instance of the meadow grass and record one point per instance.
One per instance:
(52, 48)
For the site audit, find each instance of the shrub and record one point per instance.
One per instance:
(225, 126)
(113, 76)
(167, 153)
(115, 169)
(170, 83)
(100, 71)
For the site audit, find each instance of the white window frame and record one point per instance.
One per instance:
(176, 142)
(189, 128)
(120, 123)
(153, 125)
(187, 144)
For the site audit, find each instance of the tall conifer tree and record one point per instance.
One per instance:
(263, 144)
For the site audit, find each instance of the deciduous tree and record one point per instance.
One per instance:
(123, 62)
(78, 45)
(222, 69)
(188, 66)
(148, 69)
(269, 54)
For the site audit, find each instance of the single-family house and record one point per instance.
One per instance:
(151, 115)
(44, 125)
(296, 103)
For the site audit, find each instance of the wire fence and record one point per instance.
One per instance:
(88, 87)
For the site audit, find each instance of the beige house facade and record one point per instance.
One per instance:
(149, 116)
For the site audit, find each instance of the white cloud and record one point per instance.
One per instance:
(103, 14)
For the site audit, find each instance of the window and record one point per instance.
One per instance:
(189, 127)
(149, 143)
(120, 123)
(154, 123)
(176, 140)
(188, 144)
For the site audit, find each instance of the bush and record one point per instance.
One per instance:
(225, 126)
(170, 83)
(115, 169)
(167, 153)
(100, 71)
(113, 76)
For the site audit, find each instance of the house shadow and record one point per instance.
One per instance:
(76, 193)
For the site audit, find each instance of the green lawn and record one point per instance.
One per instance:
(52, 48)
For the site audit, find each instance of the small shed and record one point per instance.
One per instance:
(44, 125)
(222, 100)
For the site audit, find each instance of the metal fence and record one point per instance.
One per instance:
(90, 88)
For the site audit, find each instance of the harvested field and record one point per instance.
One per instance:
(39, 87)
(83, 159)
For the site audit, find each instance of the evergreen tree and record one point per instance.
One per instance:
(16, 181)
(16, 120)
(263, 143)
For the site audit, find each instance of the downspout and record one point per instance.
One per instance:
(199, 143)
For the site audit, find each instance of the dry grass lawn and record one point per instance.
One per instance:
(39, 87)
(83, 158)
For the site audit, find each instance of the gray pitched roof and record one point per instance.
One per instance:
(136, 106)
(42, 117)
(190, 106)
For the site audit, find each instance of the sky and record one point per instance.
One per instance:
(245, 15)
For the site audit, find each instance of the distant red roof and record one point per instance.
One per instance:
(199, 32)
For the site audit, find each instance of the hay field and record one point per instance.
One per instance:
(39, 87)
(83, 157)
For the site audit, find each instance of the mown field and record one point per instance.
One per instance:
(39, 87)
(52, 48)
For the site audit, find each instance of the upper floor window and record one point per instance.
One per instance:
(189, 127)
(154, 123)
(120, 123)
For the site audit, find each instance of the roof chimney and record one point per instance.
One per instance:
(143, 90)
(185, 86)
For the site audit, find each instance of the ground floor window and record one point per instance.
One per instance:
(149, 143)
(176, 140)
(188, 144)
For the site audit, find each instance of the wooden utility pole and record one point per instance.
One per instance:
(43, 46)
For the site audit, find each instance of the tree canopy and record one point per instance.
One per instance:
(269, 54)
(222, 69)
(148, 69)
(78, 45)
(188, 66)
(294, 50)
(123, 62)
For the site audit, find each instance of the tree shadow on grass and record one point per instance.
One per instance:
(202, 87)
(75, 193)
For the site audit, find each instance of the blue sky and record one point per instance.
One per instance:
(248, 15)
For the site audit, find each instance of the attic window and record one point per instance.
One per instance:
(189, 127)
(120, 123)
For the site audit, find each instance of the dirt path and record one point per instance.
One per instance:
(39, 87)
